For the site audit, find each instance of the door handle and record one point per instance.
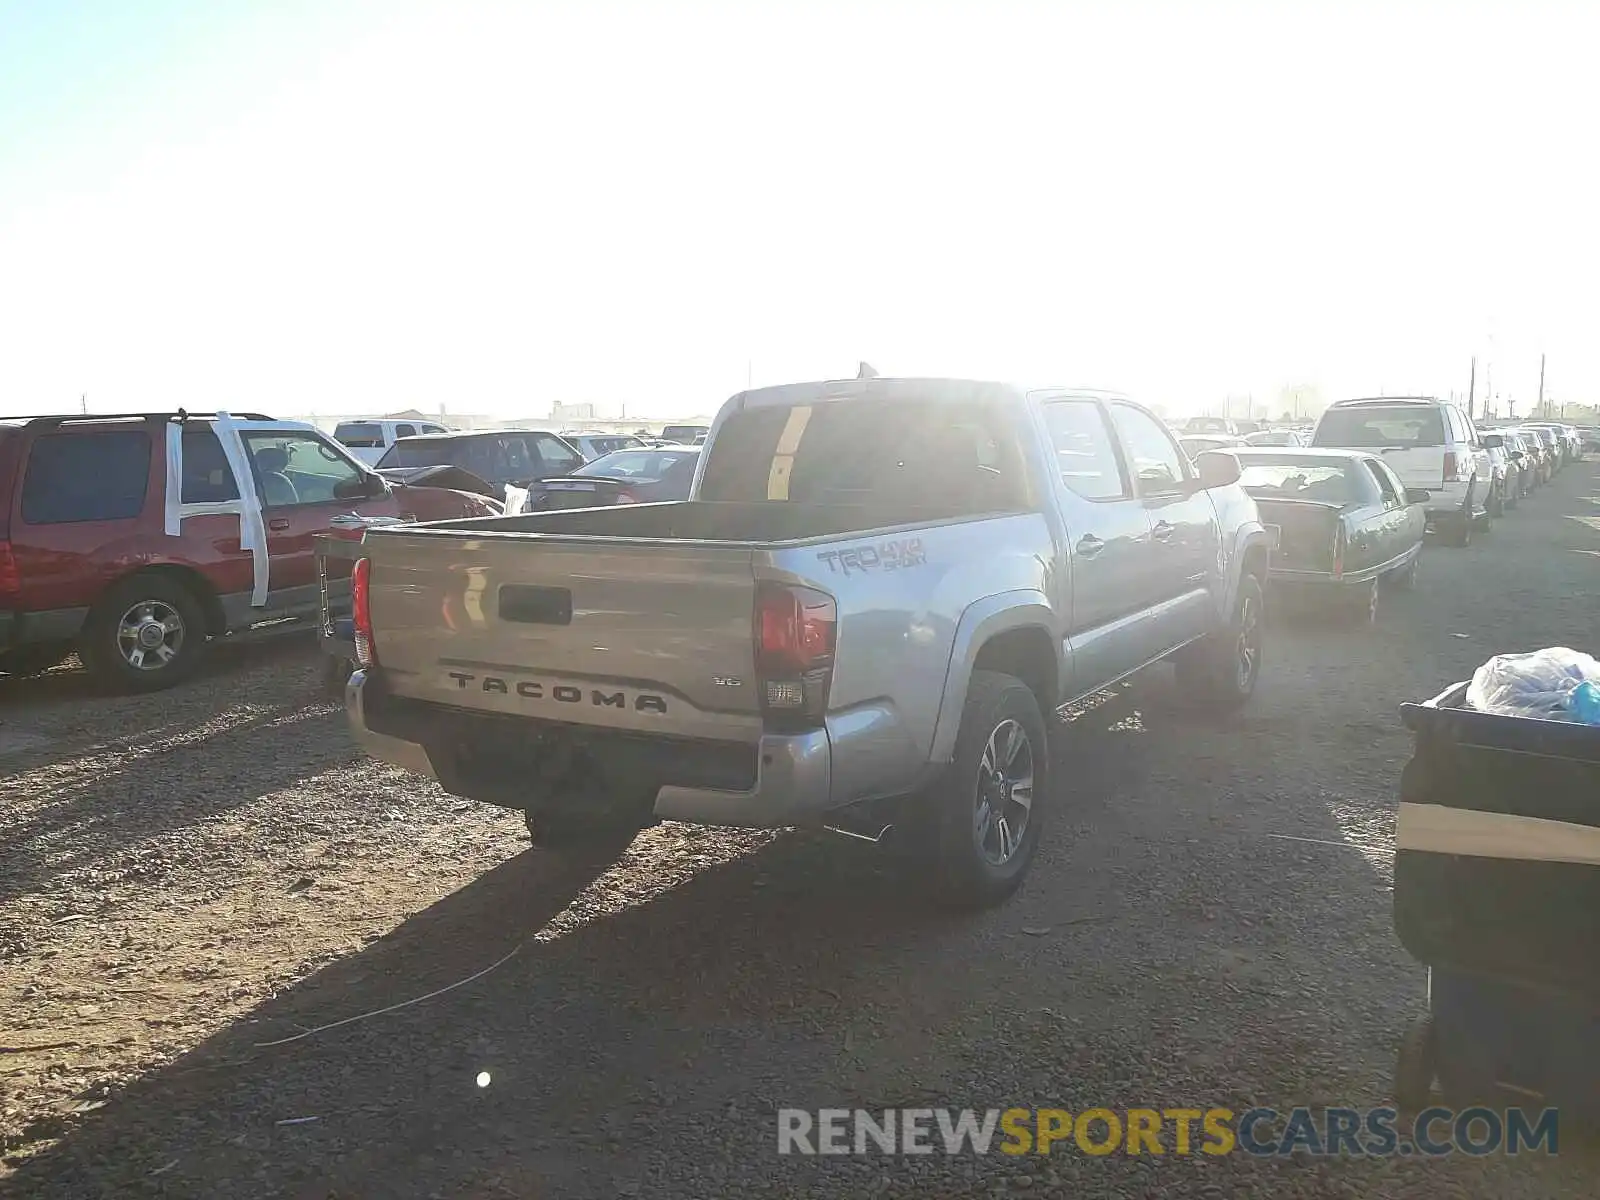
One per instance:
(1163, 531)
(278, 523)
(1089, 545)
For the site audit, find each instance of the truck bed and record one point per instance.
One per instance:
(743, 524)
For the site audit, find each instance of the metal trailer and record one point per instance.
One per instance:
(1497, 892)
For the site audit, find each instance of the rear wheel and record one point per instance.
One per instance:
(1415, 1066)
(1458, 530)
(986, 810)
(1496, 506)
(34, 659)
(1406, 577)
(148, 632)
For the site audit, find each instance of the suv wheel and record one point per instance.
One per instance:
(148, 632)
(1459, 529)
(1496, 507)
(987, 808)
(1221, 670)
(34, 659)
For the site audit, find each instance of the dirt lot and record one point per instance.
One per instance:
(186, 879)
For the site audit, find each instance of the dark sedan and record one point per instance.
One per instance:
(1343, 523)
(638, 476)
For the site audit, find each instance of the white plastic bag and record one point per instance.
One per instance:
(1537, 684)
(516, 499)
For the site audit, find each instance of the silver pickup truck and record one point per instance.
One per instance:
(878, 592)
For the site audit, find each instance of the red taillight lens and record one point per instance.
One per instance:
(1338, 552)
(10, 577)
(795, 632)
(1450, 472)
(627, 498)
(361, 612)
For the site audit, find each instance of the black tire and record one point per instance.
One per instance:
(1415, 1066)
(1458, 529)
(585, 836)
(1214, 671)
(34, 659)
(1364, 603)
(1496, 506)
(140, 599)
(1406, 577)
(336, 672)
(985, 780)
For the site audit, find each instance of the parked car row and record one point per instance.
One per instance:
(1348, 513)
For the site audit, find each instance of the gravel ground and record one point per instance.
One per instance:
(185, 878)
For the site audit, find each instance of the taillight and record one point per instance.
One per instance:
(627, 498)
(1451, 474)
(794, 634)
(361, 612)
(10, 577)
(1338, 552)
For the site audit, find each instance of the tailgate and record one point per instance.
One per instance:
(641, 635)
(1304, 531)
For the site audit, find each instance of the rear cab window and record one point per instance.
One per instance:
(86, 476)
(360, 435)
(931, 458)
(1368, 427)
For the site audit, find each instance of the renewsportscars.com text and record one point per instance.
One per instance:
(1265, 1132)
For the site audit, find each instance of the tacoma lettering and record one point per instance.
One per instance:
(563, 693)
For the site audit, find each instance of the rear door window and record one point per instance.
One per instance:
(86, 477)
(1393, 496)
(207, 477)
(401, 431)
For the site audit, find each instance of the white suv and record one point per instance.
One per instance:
(1430, 444)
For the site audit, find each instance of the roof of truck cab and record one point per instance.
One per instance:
(951, 391)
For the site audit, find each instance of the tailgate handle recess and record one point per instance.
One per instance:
(535, 605)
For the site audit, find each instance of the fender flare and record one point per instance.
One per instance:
(1246, 538)
(982, 620)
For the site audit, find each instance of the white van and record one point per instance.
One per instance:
(1430, 444)
(368, 439)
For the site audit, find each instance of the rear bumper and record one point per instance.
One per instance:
(783, 780)
(49, 625)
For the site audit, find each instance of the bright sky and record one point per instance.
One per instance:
(334, 206)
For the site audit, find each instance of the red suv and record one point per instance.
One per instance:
(103, 553)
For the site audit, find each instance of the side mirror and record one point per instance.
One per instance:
(1217, 469)
(1517, 455)
(1493, 440)
(1417, 495)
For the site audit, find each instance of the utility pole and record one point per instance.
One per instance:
(1541, 407)
(83, 403)
(1472, 389)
